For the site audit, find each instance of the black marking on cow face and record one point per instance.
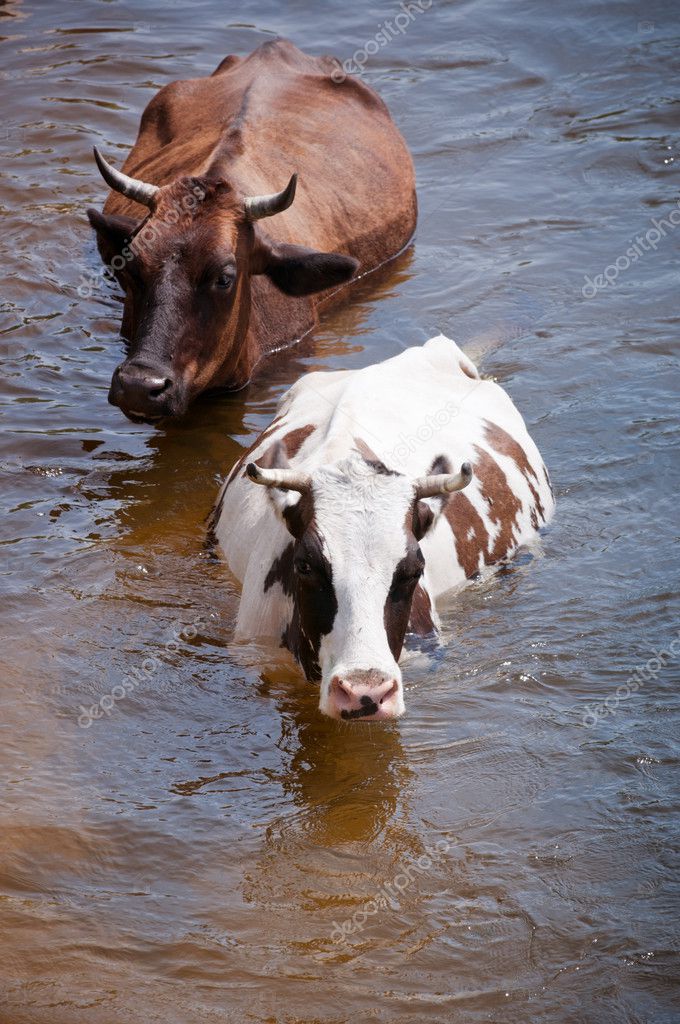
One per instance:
(368, 707)
(400, 596)
(315, 603)
(408, 603)
(380, 468)
(304, 573)
(281, 571)
(299, 516)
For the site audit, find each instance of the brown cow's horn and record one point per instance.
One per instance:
(133, 188)
(258, 207)
(443, 483)
(286, 479)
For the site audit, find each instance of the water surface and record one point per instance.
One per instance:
(194, 854)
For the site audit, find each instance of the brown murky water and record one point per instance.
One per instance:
(194, 854)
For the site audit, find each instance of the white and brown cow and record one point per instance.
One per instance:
(362, 522)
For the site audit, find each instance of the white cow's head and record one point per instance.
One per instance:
(352, 569)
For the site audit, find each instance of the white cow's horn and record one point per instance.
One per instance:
(133, 188)
(286, 479)
(443, 483)
(258, 207)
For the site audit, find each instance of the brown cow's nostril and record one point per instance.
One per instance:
(156, 392)
(142, 391)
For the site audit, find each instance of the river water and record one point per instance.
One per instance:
(211, 849)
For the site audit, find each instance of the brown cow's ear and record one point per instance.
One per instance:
(298, 271)
(115, 231)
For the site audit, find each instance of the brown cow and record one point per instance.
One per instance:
(208, 289)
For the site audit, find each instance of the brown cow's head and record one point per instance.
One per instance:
(355, 564)
(186, 271)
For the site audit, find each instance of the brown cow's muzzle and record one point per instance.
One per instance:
(146, 394)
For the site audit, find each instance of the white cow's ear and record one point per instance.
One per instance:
(426, 511)
(280, 500)
(283, 502)
(290, 507)
(424, 516)
(289, 491)
(298, 514)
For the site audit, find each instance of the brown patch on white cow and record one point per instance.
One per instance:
(244, 458)
(504, 444)
(470, 535)
(421, 622)
(292, 442)
(373, 460)
(474, 545)
(548, 481)
(503, 505)
(295, 439)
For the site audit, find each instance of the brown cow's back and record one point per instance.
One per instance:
(257, 119)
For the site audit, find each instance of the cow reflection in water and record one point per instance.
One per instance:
(347, 797)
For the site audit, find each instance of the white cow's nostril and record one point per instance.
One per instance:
(392, 691)
(364, 693)
(342, 692)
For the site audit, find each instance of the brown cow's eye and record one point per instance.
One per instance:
(226, 279)
(303, 568)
